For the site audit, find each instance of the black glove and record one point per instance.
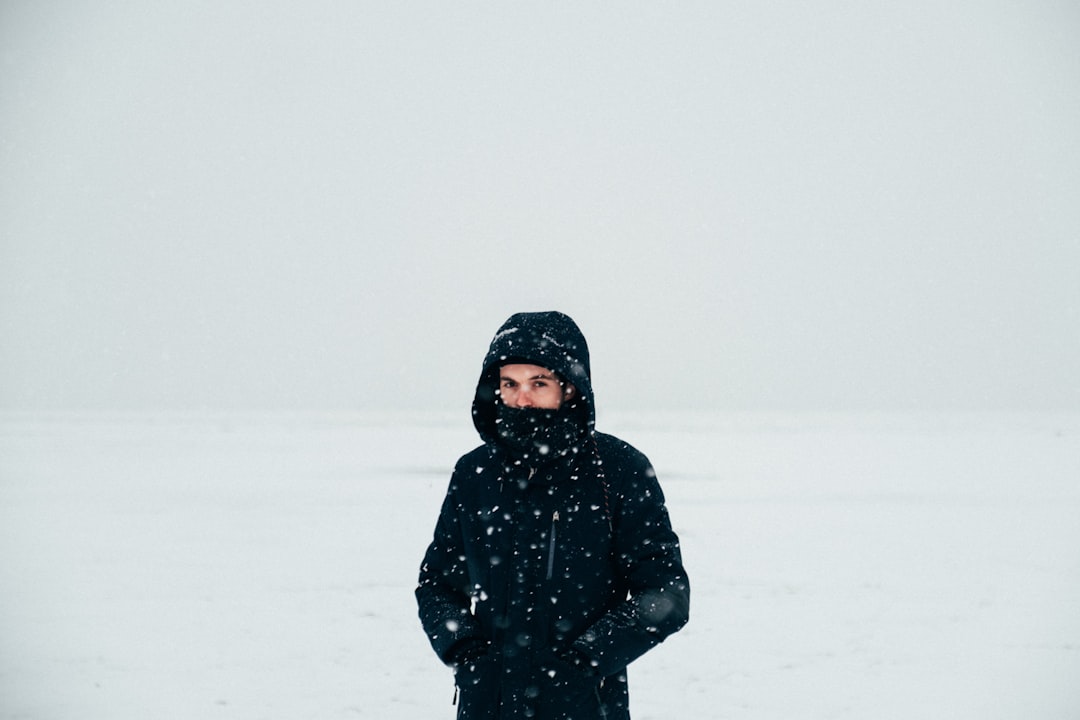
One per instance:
(566, 676)
(578, 660)
(468, 651)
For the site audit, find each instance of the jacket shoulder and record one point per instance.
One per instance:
(620, 453)
(473, 463)
(477, 456)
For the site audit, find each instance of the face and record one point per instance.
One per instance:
(523, 386)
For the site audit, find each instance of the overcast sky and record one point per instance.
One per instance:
(745, 205)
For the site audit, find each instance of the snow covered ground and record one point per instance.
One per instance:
(249, 567)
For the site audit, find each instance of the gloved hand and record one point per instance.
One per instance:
(568, 669)
(468, 651)
(578, 660)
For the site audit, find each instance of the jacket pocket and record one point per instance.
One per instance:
(477, 688)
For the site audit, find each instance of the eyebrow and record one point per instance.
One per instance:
(534, 377)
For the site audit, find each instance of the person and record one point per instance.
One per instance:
(553, 563)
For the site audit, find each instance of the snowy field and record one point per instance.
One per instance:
(262, 567)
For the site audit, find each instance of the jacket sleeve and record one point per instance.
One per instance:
(443, 593)
(648, 555)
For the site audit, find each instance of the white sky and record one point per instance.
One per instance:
(745, 205)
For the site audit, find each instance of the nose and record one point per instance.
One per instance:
(523, 399)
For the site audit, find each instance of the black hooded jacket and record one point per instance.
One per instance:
(552, 567)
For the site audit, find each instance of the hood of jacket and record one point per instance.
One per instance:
(549, 339)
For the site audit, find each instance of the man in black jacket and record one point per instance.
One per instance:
(553, 564)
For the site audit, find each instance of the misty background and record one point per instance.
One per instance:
(745, 205)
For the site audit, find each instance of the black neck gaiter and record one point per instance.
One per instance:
(538, 432)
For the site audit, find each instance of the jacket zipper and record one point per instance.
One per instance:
(551, 545)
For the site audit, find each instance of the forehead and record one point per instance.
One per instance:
(523, 371)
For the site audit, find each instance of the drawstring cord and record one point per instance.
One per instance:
(603, 483)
